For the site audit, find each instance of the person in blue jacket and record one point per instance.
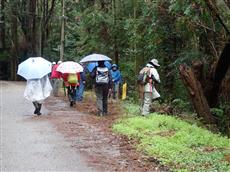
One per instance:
(116, 79)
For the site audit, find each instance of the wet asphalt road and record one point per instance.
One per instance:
(28, 143)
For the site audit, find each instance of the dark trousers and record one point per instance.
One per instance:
(102, 97)
(71, 91)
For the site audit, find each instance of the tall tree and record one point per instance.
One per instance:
(2, 24)
(14, 40)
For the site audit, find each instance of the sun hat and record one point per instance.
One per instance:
(59, 62)
(155, 62)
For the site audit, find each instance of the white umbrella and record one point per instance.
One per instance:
(70, 67)
(95, 57)
(34, 68)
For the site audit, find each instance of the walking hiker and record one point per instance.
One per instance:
(103, 80)
(37, 90)
(71, 82)
(116, 80)
(56, 79)
(150, 78)
(81, 87)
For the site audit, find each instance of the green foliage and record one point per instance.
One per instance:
(4, 56)
(221, 114)
(217, 112)
(131, 109)
(180, 106)
(182, 146)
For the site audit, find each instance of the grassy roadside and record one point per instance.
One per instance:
(176, 143)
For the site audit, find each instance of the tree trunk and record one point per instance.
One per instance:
(62, 32)
(14, 47)
(214, 9)
(47, 14)
(220, 72)
(196, 94)
(2, 25)
(116, 53)
(33, 29)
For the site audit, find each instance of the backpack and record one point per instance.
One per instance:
(143, 78)
(102, 75)
(72, 79)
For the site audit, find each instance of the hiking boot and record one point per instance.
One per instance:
(36, 111)
(39, 113)
(71, 104)
(39, 107)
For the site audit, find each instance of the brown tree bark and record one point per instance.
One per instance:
(196, 94)
(32, 27)
(14, 47)
(220, 72)
(2, 25)
(47, 14)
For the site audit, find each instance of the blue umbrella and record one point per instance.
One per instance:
(92, 65)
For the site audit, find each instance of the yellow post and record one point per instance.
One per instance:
(124, 91)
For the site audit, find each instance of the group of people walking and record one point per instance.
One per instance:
(106, 80)
(73, 82)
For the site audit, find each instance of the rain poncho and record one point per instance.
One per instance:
(38, 89)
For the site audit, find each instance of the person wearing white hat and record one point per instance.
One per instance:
(150, 91)
(154, 62)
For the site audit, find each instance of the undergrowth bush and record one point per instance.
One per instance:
(176, 143)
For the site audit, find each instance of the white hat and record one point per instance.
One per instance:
(53, 63)
(59, 62)
(149, 65)
(155, 62)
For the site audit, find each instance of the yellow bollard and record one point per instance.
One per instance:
(124, 91)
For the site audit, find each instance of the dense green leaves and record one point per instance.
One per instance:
(131, 32)
(177, 144)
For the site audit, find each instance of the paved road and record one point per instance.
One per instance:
(29, 143)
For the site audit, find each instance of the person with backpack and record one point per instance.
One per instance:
(116, 79)
(71, 82)
(56, 79)
(103, 83)
(150, 77)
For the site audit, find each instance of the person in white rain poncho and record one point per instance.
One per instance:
(38, 90)
(150, 92)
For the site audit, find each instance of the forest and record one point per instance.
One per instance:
(189, 38)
